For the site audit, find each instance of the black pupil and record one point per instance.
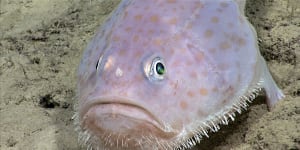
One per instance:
(160, 69)
(97, 65)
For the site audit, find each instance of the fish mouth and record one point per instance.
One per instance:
(118, 115)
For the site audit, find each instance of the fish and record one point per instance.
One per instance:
(161, 74)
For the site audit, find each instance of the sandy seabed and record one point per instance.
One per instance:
(41, 42)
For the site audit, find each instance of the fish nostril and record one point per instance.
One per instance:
(119, 72)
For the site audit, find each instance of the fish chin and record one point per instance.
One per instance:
(123, 125)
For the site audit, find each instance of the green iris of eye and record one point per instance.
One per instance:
(160, 69)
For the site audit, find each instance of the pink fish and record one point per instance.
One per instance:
(159, 74)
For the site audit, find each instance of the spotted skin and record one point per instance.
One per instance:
(212, 64)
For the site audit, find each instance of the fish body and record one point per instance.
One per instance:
(160, 73)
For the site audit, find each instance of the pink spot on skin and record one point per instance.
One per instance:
(241, 42)
(171, 1)
(128, 29)
(183, 105)
(204, 73)
(230, 90)
(224, 4)
(215, 89)
(116, 38)
(191, 94)
(225, 46)
(203, 91)
(208, 33)
(230, 25)
(138, 17)
(173, 21)
(212, 50)
(189, 26)
(136, 38)
(215, 19)
(199, 56)
(198, 5)
(138, 54)
(193, 74)
(223, 66)
(125, 14)
(122, 52)
(154, 18)
(157, 42)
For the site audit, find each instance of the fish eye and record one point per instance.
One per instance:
(98, 64)
(157, 69)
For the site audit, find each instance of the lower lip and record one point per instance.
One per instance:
(117, 117)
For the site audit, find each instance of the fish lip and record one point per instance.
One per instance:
(151, 119)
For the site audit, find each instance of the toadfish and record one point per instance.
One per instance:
(160, 74)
